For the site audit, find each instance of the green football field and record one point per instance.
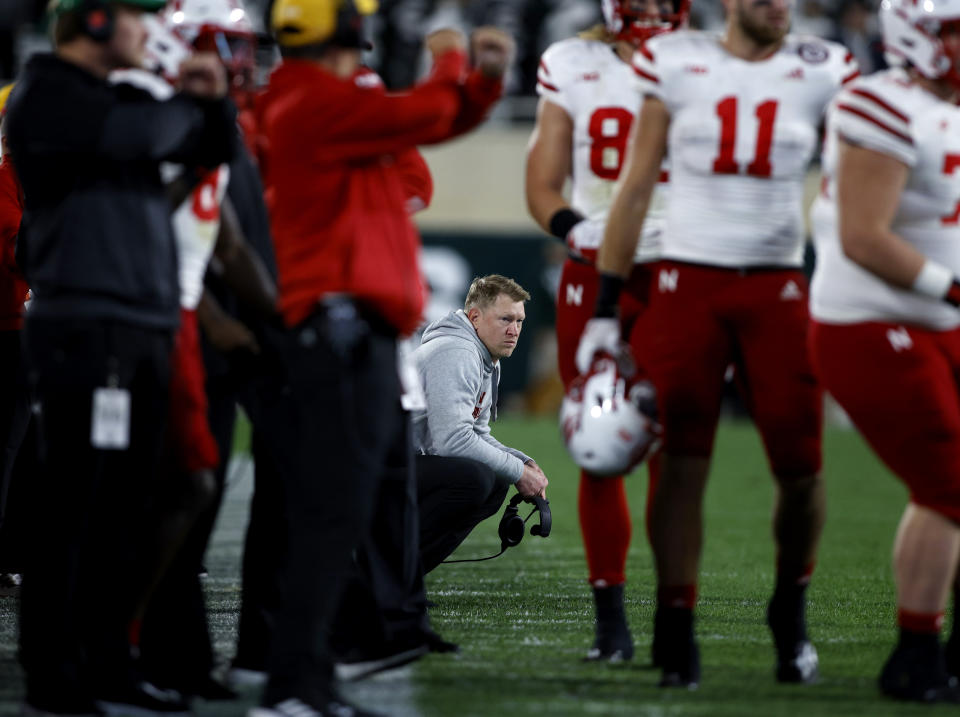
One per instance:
(524, 621)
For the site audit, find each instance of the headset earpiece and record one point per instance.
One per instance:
(511, 524)
(97, 20)
(546, 519)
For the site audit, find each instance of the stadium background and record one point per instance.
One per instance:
(524, 620)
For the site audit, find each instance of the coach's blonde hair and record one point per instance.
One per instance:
(484, 291)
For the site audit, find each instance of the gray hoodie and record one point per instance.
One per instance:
(460, 380)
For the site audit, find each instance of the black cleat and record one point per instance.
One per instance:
(613, 643)
(797, 660)
(681, 666)
(676, 648)
(919, 674)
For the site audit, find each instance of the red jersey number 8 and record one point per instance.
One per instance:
(206, 206)
(609, 131)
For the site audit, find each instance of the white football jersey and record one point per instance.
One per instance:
(888, 113)
(741, 136)
(196, 224)
(600, 93)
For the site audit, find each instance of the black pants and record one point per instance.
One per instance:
(175, 646)
(343, 421)
(14, 420)
(82, 583)
(454, 495)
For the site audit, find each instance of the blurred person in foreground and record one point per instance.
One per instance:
(14, 401)
(582, 131)
(463, 472)
(885, 302)
(349, 287)
(738, 115)
(101, 259)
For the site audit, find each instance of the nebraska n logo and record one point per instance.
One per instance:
(574, 295)
(669, 279)
(899, 339)
(478, 407)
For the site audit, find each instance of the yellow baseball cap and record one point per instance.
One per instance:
(297, 23)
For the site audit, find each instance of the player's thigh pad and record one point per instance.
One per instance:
(899, 386)
(769, 311)
(685, 348)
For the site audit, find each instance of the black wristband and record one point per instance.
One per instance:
(953, 294)
(563, 220)
(608, 295)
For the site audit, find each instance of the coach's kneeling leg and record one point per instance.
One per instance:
(454, 495)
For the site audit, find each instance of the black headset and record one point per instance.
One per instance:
(98, 17)
(512, 525)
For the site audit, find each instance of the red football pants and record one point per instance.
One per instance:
(901, 387)
(702, 319)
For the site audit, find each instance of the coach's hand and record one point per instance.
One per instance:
(492, 50)
(441, 41)
(532, 482)
(601, 335)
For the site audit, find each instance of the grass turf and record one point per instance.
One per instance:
(524, 621)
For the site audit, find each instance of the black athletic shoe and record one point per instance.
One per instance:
(681, 666)
(951, 653)
(613, 642)
(677, 648)
(142, 699)
(919, 674)
(797, 660)
(359, 664)
(294, 707)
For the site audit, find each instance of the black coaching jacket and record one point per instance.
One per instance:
(96, 228)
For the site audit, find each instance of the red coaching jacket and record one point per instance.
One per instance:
(13, 289)
(336, 160)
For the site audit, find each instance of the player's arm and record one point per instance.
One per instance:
(224, 332)
(548, 166)
(615, 258)
(869, 184)
(633, 198)
(240, 267)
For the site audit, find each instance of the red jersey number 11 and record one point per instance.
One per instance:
(766, 113)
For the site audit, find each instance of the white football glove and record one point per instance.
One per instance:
(587, 234)
(599, 336)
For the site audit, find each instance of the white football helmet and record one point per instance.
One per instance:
(220, 26)
(912, 31)
(609, 422)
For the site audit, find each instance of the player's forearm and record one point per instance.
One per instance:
(884, 254)
(623, 230)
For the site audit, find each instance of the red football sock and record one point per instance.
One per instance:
(682, 596)
(605, 525)
(929, 623)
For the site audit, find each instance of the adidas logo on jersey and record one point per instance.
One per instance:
(899, 339)
(791, 292)
(796, 74)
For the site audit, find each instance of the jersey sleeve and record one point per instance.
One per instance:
(868, 117)
(648, 72)
(552, 77)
